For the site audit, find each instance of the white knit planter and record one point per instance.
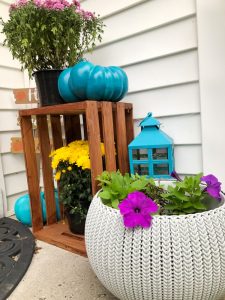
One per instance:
(178, 257)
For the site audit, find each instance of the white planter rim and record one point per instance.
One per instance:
(170, 217)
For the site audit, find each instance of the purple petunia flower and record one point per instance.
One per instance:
(213, 186)
(136, 209)
(176, 176)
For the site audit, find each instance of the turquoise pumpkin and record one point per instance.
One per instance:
(86, 81)
(63, 86)
(79, 77)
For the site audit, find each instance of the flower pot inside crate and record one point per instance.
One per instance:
(76, 224)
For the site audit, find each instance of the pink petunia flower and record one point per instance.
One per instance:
(136, 210)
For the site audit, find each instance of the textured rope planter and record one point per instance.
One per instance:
(178, 257)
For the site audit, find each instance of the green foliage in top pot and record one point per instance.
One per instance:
(50, 34)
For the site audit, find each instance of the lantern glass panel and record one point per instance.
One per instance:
(161, 169)
(141, 169)
(140, 154)
(160, 153)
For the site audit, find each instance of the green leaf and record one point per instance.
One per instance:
(186, 205)
(138, 185)
(199, 205)
(24, 42)
(54, 29)
(171, 206)
(105, 194)
(180, 195)
(190, 210)
(115, 203)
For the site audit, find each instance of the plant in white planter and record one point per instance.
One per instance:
(155, 242)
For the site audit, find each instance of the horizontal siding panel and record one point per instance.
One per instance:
(172, 100)
(188, 159)
(15, 183)
(7, 100)
(6, 58)
(4, 9)
(184, 129)
(11, 78)
(7, 2)
(161, 41)
(8, 121)
(100, 7)
(163, 72)
(148, 15)
(12, 200)
(5, 139)
(2, 37)
(12, 163)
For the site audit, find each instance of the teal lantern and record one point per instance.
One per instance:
(151, 152)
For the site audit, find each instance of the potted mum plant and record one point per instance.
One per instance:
(47, 36)
(72, 171)
(158, 240)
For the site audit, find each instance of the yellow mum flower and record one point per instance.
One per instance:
(103, 149)
(86, 165)
(76, 152)
(57, 175)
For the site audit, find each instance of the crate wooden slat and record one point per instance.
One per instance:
(84, 126)
(108, 134)
(66, 109)
(129, 126)
(32, 172)
(111, 123)
(56, 131)
(93, 132)
(42, 126)
(72, 128)
(121, 138)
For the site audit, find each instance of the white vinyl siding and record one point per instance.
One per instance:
(13, 181)
(155, 42)
(168, 54)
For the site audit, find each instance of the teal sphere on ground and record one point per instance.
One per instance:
(23, 211)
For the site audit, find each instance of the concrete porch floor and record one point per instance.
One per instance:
(58, 274)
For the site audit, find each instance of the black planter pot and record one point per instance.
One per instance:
(76, 224)
(47, 87)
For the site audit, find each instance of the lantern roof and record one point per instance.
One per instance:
(149, 121)
(151, 137)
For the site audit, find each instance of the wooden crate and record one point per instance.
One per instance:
(111, 123)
